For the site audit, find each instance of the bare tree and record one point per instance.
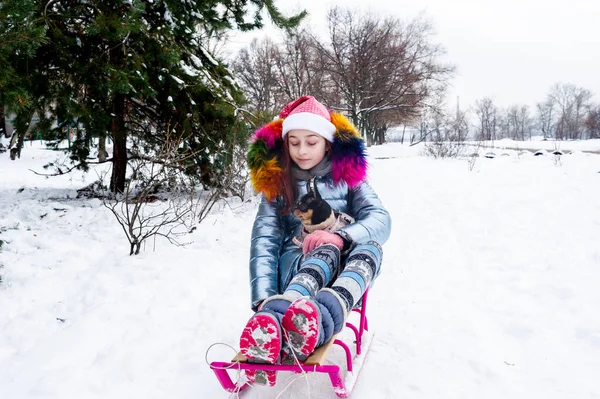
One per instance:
(487, 112)
(524, 123)
(432, 121)
(449, 130)
(379, 71)
(235, 178)
(458, 127)
(275, 73)
(571, 102)
(518, 123)
(545, 117)
(297, 66)
(592, 122)
(513, 122)
(159, 198)
(382, 70)
(255, 71)
(582, 99)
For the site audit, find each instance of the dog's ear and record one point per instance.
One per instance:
(312, 187)
(316, 191)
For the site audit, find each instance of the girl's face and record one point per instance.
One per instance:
(306, 148)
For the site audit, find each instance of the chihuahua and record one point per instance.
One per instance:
(316, 214)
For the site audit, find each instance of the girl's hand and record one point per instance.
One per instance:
(320, 237)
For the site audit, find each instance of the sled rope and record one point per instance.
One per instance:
(238, 372)
(250, 385)
(303, 374)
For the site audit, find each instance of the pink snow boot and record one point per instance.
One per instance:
(310, 322)
(260, 342)
(301, 324)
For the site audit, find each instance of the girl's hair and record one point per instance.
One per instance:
(290, 184)
(289, 190)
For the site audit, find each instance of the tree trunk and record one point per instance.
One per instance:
(20, 128)
(102, 154)
(381, 135)
(119, 136)
(3, 123)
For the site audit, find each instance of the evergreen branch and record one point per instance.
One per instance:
(23, 38)
(237, 108)
(279, 20)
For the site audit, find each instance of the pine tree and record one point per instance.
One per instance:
(132, 70)
(21, 33)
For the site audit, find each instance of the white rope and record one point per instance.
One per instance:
(303, 372)
(238, 370)
(236, 395)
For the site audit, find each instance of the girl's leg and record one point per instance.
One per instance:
(261, 340)
(362, 266)
(310, 322)
(316, 270)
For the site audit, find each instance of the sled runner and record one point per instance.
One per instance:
(343, 383)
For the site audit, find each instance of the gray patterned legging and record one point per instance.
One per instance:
(321, 266)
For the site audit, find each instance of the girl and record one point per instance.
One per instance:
(302, 295)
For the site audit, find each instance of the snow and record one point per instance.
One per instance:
(209, 57)
(197, 62)
(358, 361)
(169, 18)
(232, 81)
(509, 147)
(178, 80)
(489, 287)
(537, 143)
(188, 69)
(259, 335)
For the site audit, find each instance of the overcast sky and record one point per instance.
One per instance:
(510, 50)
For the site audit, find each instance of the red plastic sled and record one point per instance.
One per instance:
(343, 383)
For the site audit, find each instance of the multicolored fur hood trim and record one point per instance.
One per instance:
(348, 156)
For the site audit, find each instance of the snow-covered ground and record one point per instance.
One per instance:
(538, 143)
(489, 287)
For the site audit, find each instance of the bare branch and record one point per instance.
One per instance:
(160, 199)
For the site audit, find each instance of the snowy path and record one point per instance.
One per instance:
(497, 285)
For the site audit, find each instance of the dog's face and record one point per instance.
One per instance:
(311, 209)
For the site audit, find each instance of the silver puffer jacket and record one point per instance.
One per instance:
(274, 256)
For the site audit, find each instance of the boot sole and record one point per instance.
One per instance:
(260, 342)
(301, 326)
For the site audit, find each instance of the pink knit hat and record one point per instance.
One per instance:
(308, 114)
